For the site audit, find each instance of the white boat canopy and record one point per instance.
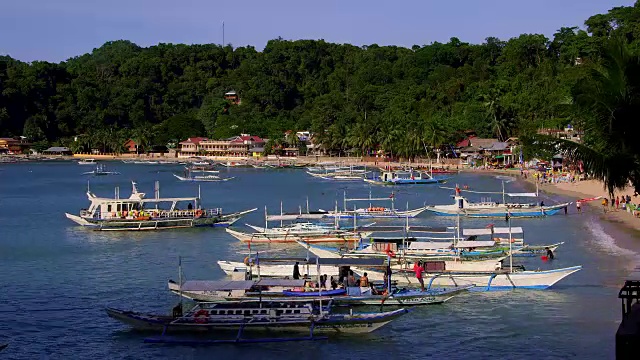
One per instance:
(523, 194)
(474, 244)
(429, 245)
(216, 285)
(496, 230)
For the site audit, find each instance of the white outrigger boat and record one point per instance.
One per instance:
(87, 162)
(337, 236)
(441, 274)
(100, 170)
(372, 212)
(202, 178)
(278, 288)
(140, 213)
(462, 206)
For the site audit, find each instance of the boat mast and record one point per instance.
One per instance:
(344, 201)
(281, 219)
(510, 244)
(307, 205)
(199, 196)
(180, 278)
(504, 202)
(266, 218)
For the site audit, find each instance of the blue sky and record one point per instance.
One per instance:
(55, 30)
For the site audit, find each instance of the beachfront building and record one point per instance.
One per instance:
(190, 147)
(14, 146)
(131, 146)
(481, 151)
(57, 150)
(234, 147)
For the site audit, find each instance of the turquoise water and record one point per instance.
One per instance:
(57, 278)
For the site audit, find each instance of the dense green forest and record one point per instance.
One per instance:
(401, 100)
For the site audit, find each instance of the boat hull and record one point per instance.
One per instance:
(335, 323)
(500, 212)
(262, 238)
(157, 224)
(483, 281)
(406, 182)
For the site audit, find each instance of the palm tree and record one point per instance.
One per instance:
(608, 103)
(434, 134)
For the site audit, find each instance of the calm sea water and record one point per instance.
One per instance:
(57, 278)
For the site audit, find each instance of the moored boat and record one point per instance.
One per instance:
(140, 213)
(404, 178)
(253, 315)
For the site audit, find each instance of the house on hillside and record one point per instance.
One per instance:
(568, 133)
(232, 96)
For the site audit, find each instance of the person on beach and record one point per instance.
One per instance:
(617, 202)
(605, 204)
(418, 269)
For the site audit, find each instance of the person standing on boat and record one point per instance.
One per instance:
(418, 269)
(296, 271)
(364, 280)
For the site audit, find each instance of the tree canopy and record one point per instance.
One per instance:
(399, 100)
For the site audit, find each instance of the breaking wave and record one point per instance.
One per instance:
(605, 241)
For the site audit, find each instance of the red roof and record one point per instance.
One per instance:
(251, 138)
(465, 143)
(194, 140)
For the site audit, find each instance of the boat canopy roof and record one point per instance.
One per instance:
(474, 244)
(429, 245)
(329, 261)
(530, 194)
(429, 229)
(144, 200)
(496, 230)
(216, 285)
(290, 217)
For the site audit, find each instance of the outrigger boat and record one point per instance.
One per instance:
(100, 170)
(372, 212)
(488, 208)
(440, 273)
(252, 315)
(314, 233)
(337, 236)
(87, 162)
(200, 178)
(140, 213)
(274, 288)
(404, 178)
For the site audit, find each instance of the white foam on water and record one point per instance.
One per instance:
(506, 179)
(605, 241)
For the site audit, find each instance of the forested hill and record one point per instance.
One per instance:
(350, 97)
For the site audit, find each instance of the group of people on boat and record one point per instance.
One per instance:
(346, 279)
